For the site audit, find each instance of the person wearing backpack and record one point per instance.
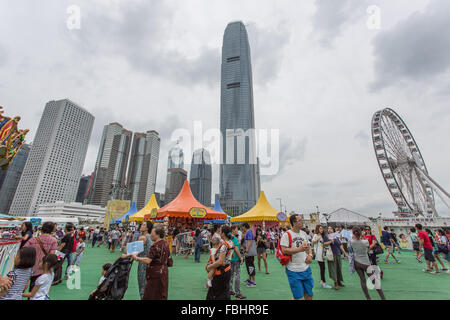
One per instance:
(294, 243)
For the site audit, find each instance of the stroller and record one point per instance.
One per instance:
(116, 281)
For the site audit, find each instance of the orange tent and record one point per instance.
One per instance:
(181, 206)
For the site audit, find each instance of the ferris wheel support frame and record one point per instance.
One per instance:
(402, 166)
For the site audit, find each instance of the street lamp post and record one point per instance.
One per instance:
(281, 206)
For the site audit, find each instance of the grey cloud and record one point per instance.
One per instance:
(331, 16)
(140, 34)
(290, 152)
(374, 207)
(317, 185)
(416, 49)
(267, 47)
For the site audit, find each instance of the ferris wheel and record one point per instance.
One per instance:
(402, 166)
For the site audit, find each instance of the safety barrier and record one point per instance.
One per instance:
(8, 251)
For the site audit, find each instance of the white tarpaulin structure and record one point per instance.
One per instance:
(345, 216)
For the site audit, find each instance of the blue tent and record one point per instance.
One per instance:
(132, 210)
(218, 208)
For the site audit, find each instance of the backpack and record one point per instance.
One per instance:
(281, 257)
(116, 281)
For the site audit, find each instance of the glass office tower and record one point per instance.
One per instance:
(239, 184)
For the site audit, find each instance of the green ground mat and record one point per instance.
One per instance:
(187, 279)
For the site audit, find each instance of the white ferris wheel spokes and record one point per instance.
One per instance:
(402, 166)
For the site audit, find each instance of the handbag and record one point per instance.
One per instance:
(377, 249)
(328, 254)
(170, 262)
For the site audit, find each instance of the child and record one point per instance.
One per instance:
(23, 270)
(43, 283)
(215, 242)
(105, 269)
(80, 250)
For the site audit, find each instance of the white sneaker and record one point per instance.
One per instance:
(326, 286)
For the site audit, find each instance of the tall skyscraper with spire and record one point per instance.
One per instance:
(239, 181)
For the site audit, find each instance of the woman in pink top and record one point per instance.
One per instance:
(49, 244)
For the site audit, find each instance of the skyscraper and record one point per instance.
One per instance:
(200, 176)
(176, 158)
(55, 162)
(83, 189)
(239, 181)
(143, 167)
(175, 180)
(9, 178)
(110, 168)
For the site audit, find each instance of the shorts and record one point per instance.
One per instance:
(416, 246)
(428, 254)
(260, 250)
(301, 283)
(390, 248)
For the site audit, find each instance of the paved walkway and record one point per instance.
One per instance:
(187, 278)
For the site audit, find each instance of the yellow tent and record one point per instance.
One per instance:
(262, 211)
(151, 204)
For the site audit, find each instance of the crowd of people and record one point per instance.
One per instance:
(39, 263)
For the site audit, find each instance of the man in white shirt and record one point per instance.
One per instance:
(297, 270)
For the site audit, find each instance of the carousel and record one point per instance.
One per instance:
(11, 139)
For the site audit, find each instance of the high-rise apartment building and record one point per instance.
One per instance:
(55, 162)
(9, 178)
(143, 167)
(109, 179)
(201, 176)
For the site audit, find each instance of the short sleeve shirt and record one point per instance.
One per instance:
(386, 238)
(44, 282)
(48, 242)
(236, 244)
(249, 236)
(68, 244)
(426, 240)
(297, 263)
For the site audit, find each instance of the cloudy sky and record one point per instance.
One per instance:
(320, 71)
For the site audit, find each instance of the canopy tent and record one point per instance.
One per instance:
(218, 208)
(130, 212)
(345, 216)
(151, 204)
(180, 206)
(262, 211)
